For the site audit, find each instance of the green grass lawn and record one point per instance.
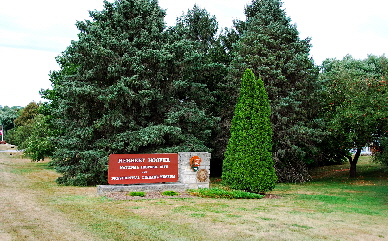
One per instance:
(332, 191)
(331, 207)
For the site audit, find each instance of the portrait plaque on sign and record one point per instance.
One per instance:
(142, 168)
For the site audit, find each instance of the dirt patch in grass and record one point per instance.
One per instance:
(23, 214)
(362, 183)
(272, 196)
(148, 195)
(158, 195)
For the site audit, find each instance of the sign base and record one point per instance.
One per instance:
(188, 177)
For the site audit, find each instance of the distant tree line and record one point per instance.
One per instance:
(130, 84)
(7, 117)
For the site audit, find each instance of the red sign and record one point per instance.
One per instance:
(142, 168)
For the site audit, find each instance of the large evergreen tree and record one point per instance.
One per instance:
(198, 25)
(269, 45)
(248, 163)
(126, 86)
(201, 27)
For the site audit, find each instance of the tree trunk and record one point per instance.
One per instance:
(353, 163)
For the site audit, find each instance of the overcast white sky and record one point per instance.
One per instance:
(33, 33)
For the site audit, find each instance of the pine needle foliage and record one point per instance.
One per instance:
(269, 44)
(127, 85)
(248, 163)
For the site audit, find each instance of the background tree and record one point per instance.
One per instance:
(8, 115)
(381, 154)
(269, 44)
(248, 163)
(39, 144)
(356, 96)
(23, 125)
(27, 114)
(126, 86)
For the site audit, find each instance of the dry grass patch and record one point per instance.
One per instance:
(329, 208)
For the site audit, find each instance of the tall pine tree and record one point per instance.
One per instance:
(248, 163)
(269, 45)
(126, 86)
(199, 26)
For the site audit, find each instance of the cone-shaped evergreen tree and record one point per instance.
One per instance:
(269, 45)
(248, 163)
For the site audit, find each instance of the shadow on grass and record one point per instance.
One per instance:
(366, 170)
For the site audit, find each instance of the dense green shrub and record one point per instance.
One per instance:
(248, 163)
(170, 193)
(221, 193)
(137, 194)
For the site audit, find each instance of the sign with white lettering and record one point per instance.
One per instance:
(142, 168)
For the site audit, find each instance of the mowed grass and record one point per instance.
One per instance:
(332, 186)
(332, 207)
